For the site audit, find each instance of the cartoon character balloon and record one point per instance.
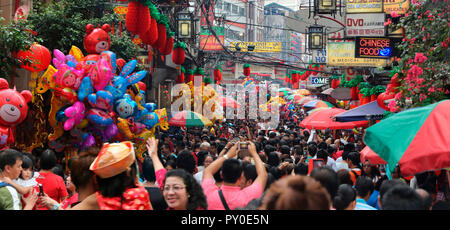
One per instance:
(97, 39)
(13, 110)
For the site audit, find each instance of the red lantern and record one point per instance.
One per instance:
(138, 18)
(38, 55)
(178, 55)
(180, 78)
(334, 83)
(246, 71)
(354, 93)
(382, 97)
(167, 49)
(162, 36)
(217, 76)
(151, 35)
(373, 97)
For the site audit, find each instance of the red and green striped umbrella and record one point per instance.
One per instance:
(416, 139)
(189, 119)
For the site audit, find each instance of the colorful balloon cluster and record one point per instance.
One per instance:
(95, 99)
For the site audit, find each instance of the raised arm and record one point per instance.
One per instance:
(208, 173)
(260, 169)
(152, 148)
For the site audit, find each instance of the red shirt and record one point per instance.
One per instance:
(53, 186)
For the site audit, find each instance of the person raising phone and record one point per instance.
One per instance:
(229, 196)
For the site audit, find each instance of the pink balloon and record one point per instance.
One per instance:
(101, 74)
(75, 113)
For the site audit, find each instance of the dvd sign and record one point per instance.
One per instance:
(373, 47)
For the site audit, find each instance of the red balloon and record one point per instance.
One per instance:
(38, 55)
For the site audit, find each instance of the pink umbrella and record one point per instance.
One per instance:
(369, 154)
(323, 119)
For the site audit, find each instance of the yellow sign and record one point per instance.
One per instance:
(399, 6)
(364, 6)
(120, 10)
(260, 47)
(343, 54)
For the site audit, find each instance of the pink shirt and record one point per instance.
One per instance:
(234, 196)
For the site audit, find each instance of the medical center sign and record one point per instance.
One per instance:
(365, 25)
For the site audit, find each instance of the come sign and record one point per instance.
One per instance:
(373, 47)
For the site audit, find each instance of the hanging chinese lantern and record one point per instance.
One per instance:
(315, 67)
(137, 18)
(189, 76)
(247, 70)
(162, 32)
(178, 54)
(217, 74)
(38, 56)
(334, 82)
(180, 77)
(167, 49)
(199, 72)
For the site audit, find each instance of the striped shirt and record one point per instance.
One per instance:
(361, 204)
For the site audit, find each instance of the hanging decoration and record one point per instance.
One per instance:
(178, 54)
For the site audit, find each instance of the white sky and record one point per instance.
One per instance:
(293, 4)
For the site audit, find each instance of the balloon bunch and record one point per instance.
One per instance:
(93, 102)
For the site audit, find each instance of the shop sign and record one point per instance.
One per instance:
(373, 47)
(364, 6)
(319, 56)
(399, 6)
(343, 54)
(365, 25)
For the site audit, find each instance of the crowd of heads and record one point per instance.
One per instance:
(320, 169)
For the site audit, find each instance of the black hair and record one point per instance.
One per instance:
(273, 159)
(201, 157)
(269, 148)
(250, 171)
(197, 198)
(220, 147)
(115, 186)
(322, 154)
(58, 170)
(48, 159)
(344, 177)
(301, 169)
(218, 176)
(364, 186)
(355, 158)
(312, 150)
(9, 157)
(180, 144)
(27, 162)
(402, 197)
(171, 162)
(186, 161)
(231, 170)
(328, 178)
(322, 145)
(388, 184)
(344, 196)
(284, 149)
(148, 170)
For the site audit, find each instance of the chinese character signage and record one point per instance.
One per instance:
(373, 47)
(343, 54)
(207, 40)
(365, 25)
(364, 6)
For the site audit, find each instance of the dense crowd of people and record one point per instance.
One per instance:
(230, 165)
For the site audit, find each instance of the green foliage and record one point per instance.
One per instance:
(426, 31)
(63, 24)
(13, 38)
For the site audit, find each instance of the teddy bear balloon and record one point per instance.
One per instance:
(13, 110)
